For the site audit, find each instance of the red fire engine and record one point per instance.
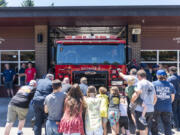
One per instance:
(94, 57)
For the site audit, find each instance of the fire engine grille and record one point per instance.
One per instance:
(96, 78)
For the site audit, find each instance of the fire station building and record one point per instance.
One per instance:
(28, 34)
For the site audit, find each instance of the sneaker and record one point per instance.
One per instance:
(143, 121)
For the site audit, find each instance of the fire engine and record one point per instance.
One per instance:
(96, 57)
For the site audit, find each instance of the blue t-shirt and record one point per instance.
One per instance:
(175, 80)
(8, 75)
(21, 71)
(164, 89)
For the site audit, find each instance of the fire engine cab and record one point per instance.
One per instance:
(94, 57)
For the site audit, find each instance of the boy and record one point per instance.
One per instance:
(54, 107)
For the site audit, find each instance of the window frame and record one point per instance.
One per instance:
(19, 62)
(161, 62)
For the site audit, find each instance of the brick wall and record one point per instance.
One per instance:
(41, 49)
(136, 47)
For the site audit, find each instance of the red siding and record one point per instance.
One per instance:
(17, 38)
(162, 38)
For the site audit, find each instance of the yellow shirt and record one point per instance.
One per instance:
(104, 105)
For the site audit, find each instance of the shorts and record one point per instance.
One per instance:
(8, 85)
(113, 117)
(104, 120)
(14, 111)
(124, 122)
(98, 131)
(139, 101)
(149, 117)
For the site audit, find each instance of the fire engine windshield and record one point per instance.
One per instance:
(90, 54)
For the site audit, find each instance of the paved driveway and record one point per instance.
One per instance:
(28, 129)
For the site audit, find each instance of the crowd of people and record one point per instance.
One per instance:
(79, 109)
(25, 74)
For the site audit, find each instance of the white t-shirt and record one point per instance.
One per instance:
(147, 95)
(123, 109)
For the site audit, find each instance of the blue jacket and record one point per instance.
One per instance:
(175, 80)
(83, 88)
(44, 88)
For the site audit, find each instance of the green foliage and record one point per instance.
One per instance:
(3, 3)
(27, 3)
(52, 4)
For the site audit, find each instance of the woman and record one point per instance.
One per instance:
(72, 122)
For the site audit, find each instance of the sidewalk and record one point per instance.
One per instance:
(3, 112)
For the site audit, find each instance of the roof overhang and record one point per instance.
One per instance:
(90, 15)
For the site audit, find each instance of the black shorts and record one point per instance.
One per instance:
(139, 101)
(124, 122)
(8, 85)
(149, 116)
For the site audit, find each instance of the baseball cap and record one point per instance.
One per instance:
(161, 72)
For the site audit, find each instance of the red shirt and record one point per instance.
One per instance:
(30, 72)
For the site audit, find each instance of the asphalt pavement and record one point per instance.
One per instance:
(28, 127)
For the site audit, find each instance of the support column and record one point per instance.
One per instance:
(136, 46)
(41, 45)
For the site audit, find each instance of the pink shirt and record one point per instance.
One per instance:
(30, 73)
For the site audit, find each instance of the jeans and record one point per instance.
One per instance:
(166, 121)
(176, 112)
(52, 128)
(40, 117)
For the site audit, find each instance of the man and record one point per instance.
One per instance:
(44, 88)
(175, 80)
(66, 85)
(54, 107)
(30, 73)
(132, 73)
(18, 107)
(154, 70)
(147, 93)
(22, 74)
(83, 86)
(8, 78)
(165, 96)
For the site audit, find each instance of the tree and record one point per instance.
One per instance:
(27, 3)
(3, 3)
(52, 4)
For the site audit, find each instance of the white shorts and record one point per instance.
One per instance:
(98, 131)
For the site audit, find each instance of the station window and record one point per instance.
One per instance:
(165, 57)
(9, 56)
(15, 59)
(148, 56)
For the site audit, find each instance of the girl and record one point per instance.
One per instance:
(104, 107)
(71, 122)
(92, 118)
(123, 121)
(113, 112)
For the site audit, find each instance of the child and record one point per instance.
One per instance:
(113, 111)
(129, 92)
(104, 107)
(123, 121)
(93, 120)
(72, 122)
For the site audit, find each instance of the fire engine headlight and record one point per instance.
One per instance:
(116, 82)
